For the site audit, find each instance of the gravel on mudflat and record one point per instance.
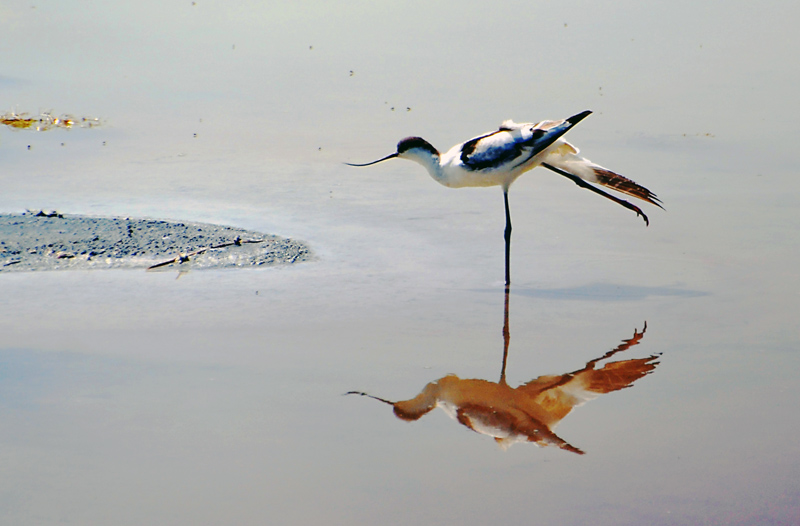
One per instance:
(36, 241)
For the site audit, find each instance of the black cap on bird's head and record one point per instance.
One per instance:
(409, 144)
(415, 143)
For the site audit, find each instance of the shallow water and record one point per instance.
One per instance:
(129, 397)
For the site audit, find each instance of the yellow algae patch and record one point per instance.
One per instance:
(46, 121)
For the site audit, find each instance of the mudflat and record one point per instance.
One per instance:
(37, 241)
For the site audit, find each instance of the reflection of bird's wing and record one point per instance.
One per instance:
(513, 144)
(558, 395)
(565, 157)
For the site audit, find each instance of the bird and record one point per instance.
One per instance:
(498, 158)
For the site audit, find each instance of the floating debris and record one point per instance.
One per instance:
(46, 121)
(42, 213)
(184, 258)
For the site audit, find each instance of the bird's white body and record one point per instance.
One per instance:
(453, 170)
(493, 159)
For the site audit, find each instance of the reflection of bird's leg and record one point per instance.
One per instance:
(506, 338)
(508, 239)
(625, 345)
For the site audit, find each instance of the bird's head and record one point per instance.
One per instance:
(411, 148)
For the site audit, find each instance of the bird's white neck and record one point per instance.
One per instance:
(428, 159)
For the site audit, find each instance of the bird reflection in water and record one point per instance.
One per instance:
(530, 412)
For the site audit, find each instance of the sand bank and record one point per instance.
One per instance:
(36, 241)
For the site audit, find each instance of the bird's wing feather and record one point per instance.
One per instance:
(490, 151)
(566, 157)
(513, 145)
(510, 125)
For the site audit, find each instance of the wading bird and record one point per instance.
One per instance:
(498, 158)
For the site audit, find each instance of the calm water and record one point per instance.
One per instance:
(135, 398)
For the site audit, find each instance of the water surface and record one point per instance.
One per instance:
(131, 398)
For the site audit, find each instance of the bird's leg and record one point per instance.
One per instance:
(583, 184)
(508, 240)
